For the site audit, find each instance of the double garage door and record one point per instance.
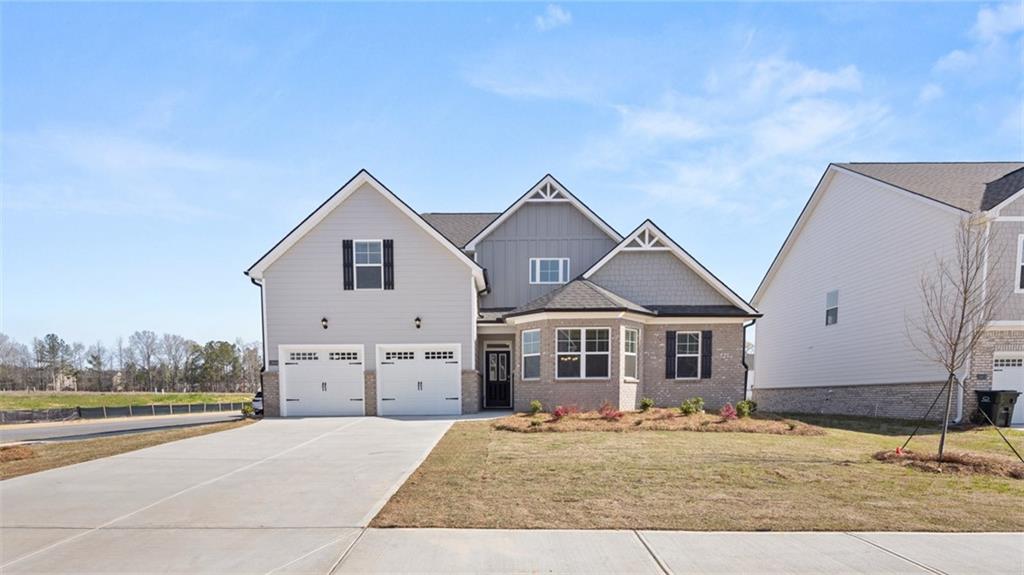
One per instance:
(327, 380)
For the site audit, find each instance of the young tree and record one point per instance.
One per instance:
(51, 354)
(957, 306)
(96, 359)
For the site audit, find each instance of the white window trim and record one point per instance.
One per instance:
(356, 266)
(1020, 265)
(563, 271)
(635, 354)
(524, 355)
(583, 353)
(835, 307)
(700, 348)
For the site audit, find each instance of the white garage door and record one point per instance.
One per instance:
(1008, 373)
(419, 379)
(321, 380)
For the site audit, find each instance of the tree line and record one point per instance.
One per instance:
(144, 362)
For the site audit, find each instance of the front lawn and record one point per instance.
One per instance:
(15, 400)
(483, 477)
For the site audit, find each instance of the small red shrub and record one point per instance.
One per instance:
(563, 410)
(728, 412)
(609, 413)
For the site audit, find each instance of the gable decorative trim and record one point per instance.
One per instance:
(548, 189)
(256, 270)
(649, 237)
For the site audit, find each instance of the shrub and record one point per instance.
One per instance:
(727, 412)
(563, 410)
(609, 413)
(692, 406)
(746, 407)
(536, 407)
(534, 423)
(248, 411)
(646, 404)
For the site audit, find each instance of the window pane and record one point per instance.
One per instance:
(629, 369)
(368, 277)
(533, 271)
(549, 270)
(831, 316)
(531, 342)
(569, 340)
(368, 252)
(597, 340)
(630, 341)
(531, 367)
(1021, 276)
(832, 299)
(565, 270)
(686, 366)
(687, 343)
(568, 366)
(597, 365)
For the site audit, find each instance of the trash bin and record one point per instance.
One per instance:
(998, 405)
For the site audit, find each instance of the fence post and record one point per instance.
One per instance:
(104, 412)
(152, 408)
(170, 406)
(129, 410)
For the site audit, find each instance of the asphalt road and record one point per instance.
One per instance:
(67, 431)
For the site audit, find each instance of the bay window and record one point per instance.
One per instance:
(582, 353)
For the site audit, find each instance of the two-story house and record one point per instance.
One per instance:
(842, 290)
(370, 307)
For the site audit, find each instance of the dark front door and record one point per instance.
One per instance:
(497, 379)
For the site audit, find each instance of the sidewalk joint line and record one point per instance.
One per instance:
(348, 550)
(895, 554)
(173, 495)
(661, 564)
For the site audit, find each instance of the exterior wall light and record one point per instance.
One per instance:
(418, 322)
(323, 322)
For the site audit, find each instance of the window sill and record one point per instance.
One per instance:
(581, 379)
(631, 380)
(686, 379)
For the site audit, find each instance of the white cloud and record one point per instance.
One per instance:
(660, 124)
(929, 92)
(955, 61)
(788, 79)
(992, 24)
(554, 16)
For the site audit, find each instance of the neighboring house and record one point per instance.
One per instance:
(372, 308)
(838, 297)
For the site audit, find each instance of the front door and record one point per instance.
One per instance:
(497, 380)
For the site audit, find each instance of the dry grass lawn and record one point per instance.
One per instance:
(15, 400)
(479, 476)
(22, 459)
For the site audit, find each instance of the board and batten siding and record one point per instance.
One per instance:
(547, 229)
(655, 278)
(305, 284)
(872, 245)
(1004, 241)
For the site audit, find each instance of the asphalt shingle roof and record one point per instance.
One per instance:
(459, 227)
(578, 294)
(970, 186)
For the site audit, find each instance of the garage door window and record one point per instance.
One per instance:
(1009, 362)
(303, 356)
(582, 353)
(398, 355)
(439, 355)
(343, 356)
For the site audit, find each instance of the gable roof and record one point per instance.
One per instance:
(548, 189)
(579, 295)
(964, 186)
(459, 227)
(969, 186)
(256, 270)
(649, 237)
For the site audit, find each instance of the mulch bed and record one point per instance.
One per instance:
(655, 419)
(958, 463)
(15, 453)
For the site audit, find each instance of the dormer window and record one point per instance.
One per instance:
(549, 270)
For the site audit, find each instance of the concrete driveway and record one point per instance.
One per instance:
(277, 496)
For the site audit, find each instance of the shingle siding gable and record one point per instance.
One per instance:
(655, 278)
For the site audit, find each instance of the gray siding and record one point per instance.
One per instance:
(1003, 273)
(655, 278)
(537, 229)
(305, 284)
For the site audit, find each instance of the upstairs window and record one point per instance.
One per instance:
(549, 270)
(369, 264)
(1020, 264)
(832, 307)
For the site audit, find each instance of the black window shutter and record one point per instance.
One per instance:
(706, 346)
(389, 264)
(670, 355)
(346, 258)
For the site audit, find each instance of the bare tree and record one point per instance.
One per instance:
(957, 306)
(96, 358)
(145, 345)
(174, 349)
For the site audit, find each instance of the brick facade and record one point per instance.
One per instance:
(725, 385)
(897, 400)
(370, 392)
(271, 394)
(728, 376)
(471, 391)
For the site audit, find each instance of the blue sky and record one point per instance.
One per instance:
(152, 152)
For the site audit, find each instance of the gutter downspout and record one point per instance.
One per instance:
(263, 331)
(743, 360)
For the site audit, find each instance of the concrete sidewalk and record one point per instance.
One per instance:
(660, 552)
(89, 428)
